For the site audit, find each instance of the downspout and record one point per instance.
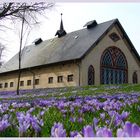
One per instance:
(79, 74)
(33, 77)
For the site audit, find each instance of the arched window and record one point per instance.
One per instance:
(135, 78)
(113, 66)
(90, 75)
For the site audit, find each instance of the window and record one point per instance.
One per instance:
(60, 79)
(114, 37)
(11, 84)
(6, 85)
(36, 81)
(50, 80)
(0, 85)
(21, 83)
(135, 78)
(70, 78)
(113, 66)
(90, 75)
(28, 82)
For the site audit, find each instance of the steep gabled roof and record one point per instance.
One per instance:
(72, 46)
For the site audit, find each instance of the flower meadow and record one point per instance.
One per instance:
(100, 115)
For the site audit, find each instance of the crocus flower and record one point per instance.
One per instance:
(124, 115)
(104, 132)
(129, 130)
(58, 130)
(75, 134)
(88, 131)
(4, 124)
(72, 119)
(95, 122)
(102, 115)
(80, 119)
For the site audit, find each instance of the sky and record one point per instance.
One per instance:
(75, 16)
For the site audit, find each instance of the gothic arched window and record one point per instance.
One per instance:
(90, 75)
(113, 66)
(135, 78)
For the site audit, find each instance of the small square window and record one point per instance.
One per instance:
(28, 82)
(6, 85)
(11, 84)
(0, 85)
(70, 78)
(50, 80)
(21, 83)
(36, 81)
(60, 79)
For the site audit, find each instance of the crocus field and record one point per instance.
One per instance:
(101, 111)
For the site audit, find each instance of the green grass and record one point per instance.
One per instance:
(84, 91)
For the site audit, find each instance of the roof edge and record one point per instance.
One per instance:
(116, 21)
(36, 67)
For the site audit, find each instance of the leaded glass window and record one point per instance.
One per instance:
(113, 66)
(90, 75)
(135, 78)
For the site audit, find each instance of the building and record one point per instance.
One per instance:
(97, 54)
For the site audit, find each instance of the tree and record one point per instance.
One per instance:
(14, 10)
(2, 48)
(27, 13)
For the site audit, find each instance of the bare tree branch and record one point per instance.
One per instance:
(16, 9)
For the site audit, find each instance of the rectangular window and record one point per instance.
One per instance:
(11, 84)
(21, 83)
(60, 79)
(50, 80)
(0, 85)
(28, 82)
(6, 85)
(36, 81)
(70, 78)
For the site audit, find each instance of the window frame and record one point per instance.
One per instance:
(50, 80)
(135, 78)
(117, 66)
(11, 84)
(60, 79)
(91, 75)
(1, 85)
(70, 78)
(21, 83)
(29, 82)
(37, 81)
(6, 85)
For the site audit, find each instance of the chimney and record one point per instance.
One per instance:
(37, 41)
(90, 24)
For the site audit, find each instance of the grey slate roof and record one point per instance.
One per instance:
(72, 46)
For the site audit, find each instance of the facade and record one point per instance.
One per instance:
(98, 54)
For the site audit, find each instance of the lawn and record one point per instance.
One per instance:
(91, 111)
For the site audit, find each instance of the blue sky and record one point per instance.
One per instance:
(75, 15)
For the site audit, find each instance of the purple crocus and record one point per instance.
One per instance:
(58, 130)
(95, 122)
(124, 115)
(4, 124)
(75, 134)
(129, 130)
(102, 115)
(88, 131)
(104, 132)
(80, 119)
(72, 119)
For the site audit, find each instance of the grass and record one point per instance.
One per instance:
(83, 91)
(55, 115)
